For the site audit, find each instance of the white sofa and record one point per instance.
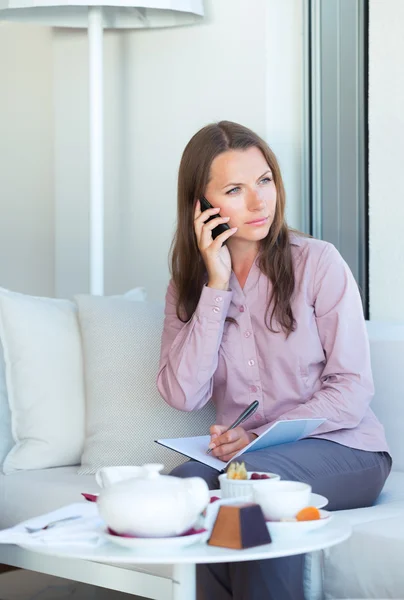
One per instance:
(366, 566)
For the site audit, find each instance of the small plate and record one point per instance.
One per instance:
(164, 544)
(281, 529)
(315, 499)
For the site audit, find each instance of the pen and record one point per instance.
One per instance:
(244, 415)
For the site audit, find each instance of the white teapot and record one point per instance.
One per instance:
(153, 505)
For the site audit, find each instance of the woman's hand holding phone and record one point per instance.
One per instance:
(215, 254)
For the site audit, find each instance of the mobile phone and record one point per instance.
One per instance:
(221, 227)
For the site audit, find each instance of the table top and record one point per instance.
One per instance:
(334, 533)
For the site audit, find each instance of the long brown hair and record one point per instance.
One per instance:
(186, 264)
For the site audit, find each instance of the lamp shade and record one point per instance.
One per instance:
(120, 14)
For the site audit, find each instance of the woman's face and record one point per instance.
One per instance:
(241, 185)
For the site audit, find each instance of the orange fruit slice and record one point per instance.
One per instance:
(310, 513)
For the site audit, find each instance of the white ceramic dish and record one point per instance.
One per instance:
(236, 488)
(160, 544)
(316, 500)
(281, 499)
(280, 530)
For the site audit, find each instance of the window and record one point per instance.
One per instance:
(335, 182)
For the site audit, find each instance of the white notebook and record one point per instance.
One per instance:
(281, 432)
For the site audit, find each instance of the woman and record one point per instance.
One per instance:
(265, 313)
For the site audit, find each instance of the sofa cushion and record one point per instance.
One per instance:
(369, 564)
(124, 411)
(349, 570)
(387, 353)
(6, 438)
(26, 494)
(44, 377)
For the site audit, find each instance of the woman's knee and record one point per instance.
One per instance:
(184, 470)
(269, 462)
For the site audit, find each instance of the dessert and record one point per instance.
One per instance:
(258, 476)
(310, 513)
(237, 471)
(239, 526)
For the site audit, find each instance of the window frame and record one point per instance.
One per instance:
(335, 136)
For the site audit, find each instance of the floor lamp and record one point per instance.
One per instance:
(96, 15)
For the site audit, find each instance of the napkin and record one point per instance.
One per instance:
(87, 530)
(90, 497)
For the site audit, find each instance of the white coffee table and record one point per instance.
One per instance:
(184, 560)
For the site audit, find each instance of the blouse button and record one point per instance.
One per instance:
(257, 418)
(242, 309)
(254, 389)
(218, 299)
(216, 309)
(251, 362)
(247, 334)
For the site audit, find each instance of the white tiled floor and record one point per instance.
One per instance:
(28, 585)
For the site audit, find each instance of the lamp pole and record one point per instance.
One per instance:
(96, 93)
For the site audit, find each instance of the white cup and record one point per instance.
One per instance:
(281, 499)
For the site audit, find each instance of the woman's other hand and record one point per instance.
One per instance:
(215, 254)
(225, 444)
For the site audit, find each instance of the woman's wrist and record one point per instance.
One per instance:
(218, 285)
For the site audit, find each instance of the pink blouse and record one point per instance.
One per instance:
(321, 370)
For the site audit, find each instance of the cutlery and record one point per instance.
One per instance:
(51, 524)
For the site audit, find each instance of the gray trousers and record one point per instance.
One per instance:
(349, 478)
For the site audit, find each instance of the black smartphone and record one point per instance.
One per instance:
(221, 227)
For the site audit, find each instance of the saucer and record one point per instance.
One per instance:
(315, 499)
(163, 544)
(286, 529)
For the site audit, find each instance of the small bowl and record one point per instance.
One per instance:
(280, 530)
(281, 499)
(243, 488)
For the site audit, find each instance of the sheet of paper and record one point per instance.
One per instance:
(283, 432)
(194, 447)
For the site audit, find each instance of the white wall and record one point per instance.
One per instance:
(26, 159)
(386, 158)
(161, 86)
(284, 97)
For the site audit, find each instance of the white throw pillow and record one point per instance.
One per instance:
(6, 438)
(124, 411)
(44, 377)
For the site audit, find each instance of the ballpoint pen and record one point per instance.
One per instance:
(244, 415)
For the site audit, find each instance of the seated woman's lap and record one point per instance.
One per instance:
(349, 478)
